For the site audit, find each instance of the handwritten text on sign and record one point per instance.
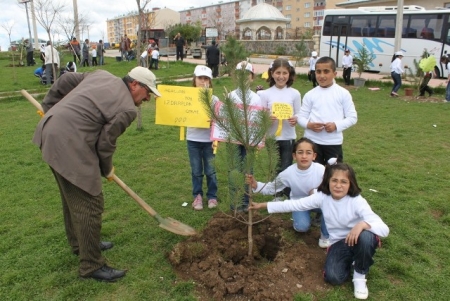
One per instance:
(181, 106)
(282, 110)
(220, 134)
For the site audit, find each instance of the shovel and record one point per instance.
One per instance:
(168, 224)
(33, 102)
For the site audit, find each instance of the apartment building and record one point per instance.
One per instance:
(157, 20)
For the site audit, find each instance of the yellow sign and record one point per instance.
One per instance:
(282, 110)
(181, 106)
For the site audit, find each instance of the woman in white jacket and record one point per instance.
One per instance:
(396, 72)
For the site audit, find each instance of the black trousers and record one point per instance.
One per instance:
(215, 69)
(313, 78)
(424, 86)
(180, 53)
(347, 74)
(30, 58)
(83, 222)
(325, 152)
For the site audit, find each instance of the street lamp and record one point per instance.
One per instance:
(28, 20)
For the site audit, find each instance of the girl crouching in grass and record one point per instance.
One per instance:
(352, 225)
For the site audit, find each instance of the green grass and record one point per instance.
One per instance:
(394, 148)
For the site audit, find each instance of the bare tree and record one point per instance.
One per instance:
(142, 17)
(8, 26)
(47, 12)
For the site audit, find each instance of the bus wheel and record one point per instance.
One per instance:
(437, 72)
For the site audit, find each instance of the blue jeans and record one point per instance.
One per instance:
(200, 156)
(242, 153)
(341, 256)
(397, 81)
(447, 92)
(302, 222)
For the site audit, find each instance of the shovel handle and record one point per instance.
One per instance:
(140, 201)
(32, 100)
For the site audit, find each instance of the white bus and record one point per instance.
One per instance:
(374, 27)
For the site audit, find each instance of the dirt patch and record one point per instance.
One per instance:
(430, 99)
(283, 263)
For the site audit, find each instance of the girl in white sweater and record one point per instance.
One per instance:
(302, 178)
(353, 227)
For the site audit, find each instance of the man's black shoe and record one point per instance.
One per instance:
(104, 245)
(107, 274)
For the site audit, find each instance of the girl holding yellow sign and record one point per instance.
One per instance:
(200, 149)
(284, 103)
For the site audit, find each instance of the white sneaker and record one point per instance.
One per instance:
(212, 203)
(324, 243)
(198, 203)
(361, 290)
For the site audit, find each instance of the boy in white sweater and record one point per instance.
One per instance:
(326, 112)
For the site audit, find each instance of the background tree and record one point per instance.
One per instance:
(190, 33)
(8, 27)
(47, 12)
(301, 51)
(234, 52)
(142, 21)
(248, 127)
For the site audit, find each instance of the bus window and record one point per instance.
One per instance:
(327, 25)
(428, 26)
(386, 26)
(363, 26)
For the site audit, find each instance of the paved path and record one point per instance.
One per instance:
(261, 64)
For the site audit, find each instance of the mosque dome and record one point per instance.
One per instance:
(263, 12)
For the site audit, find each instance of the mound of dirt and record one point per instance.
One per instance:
(282, 264)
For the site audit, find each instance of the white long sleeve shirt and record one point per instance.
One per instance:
(332, 104)
(300, 181)
(48, 55)
(340, 215)
(312, 63)
(200, 134)
(396, 66)
(287, 95)
(347, 61)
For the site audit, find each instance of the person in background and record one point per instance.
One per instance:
(312, 68)
(42, 53)
(213, 58)
(155, 58)
(94, 55)
(143, 58)
(77, 138)
(179, 43)
(446, 62)
(76, 49)
(347, 63)
(396, 72)
(100, 52)
(424, 84)
(200, 150)
(51, 62)
(39, 72)
(354, 229)
(30, 51)
(85, 53)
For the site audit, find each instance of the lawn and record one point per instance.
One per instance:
(398, 148)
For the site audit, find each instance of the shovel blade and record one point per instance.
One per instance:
(176, 227)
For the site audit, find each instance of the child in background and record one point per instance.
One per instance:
(326, 112)
(143, 59)
(396, 72)
(424, 84)
(302, 178)
(94, 56)
(353, 227)
(200, 149)
(253, 99)
(281, 77)
(155, 58)
(446, 62)
(312, 68)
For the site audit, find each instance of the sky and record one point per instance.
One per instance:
(97, 11)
